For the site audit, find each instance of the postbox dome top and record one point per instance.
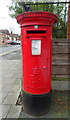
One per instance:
(36, 17)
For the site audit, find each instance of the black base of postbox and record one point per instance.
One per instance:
(36, 105)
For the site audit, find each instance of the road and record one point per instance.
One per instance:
(10, 52)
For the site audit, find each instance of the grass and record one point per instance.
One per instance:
(60, 78)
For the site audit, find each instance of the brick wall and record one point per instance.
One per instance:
(60, 58)
(2, 39)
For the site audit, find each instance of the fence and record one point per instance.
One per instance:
(60, 58)
(60, 47)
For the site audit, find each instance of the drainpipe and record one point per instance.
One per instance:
(68, 26)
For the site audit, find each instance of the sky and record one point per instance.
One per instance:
(6, 22)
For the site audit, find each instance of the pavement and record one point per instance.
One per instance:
(10, 81)
(10, 87)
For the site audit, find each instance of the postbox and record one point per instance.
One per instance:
(36, 34)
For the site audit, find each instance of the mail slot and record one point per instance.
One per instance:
(36, 33)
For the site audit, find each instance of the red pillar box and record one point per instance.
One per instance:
(36, 32)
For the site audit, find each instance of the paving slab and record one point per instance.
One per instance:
(8, 80)
(18, 82)
(0, 112)
(0, 79)
(14, 112)
(4, 95)
(0, 86)
(16, 89)
(11, 99)
(10, 74)
(5, 110)
(0, 98)
(7, 88)
(60, 85)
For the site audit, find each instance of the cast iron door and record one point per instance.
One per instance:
(36, 68)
